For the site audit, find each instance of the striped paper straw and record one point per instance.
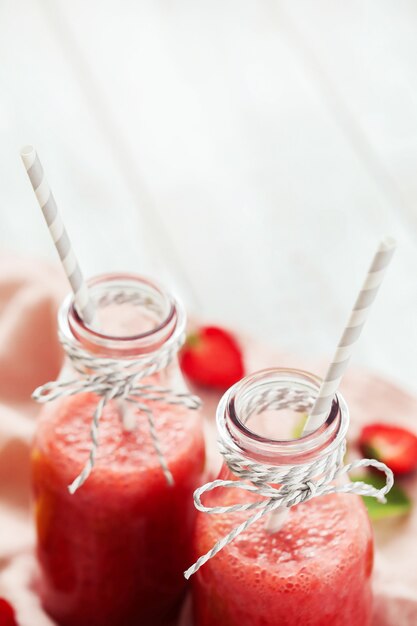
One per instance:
(46, 200)
(351, 334)
(344, 350)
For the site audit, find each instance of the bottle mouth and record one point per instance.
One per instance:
(134, 316)
(263, 415)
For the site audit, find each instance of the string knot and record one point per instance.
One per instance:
(113, 379)
(302, 493)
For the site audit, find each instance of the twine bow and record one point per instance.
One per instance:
(282, 486)
(117, 379)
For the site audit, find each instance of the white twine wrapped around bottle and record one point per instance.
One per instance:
(118, 379)
(282, 486)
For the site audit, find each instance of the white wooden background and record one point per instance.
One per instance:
(248, 152)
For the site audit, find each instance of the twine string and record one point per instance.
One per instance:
(121, 379)
(281, 486)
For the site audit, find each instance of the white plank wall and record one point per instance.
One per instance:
(250, 153)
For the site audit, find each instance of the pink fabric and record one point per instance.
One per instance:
(30, 355)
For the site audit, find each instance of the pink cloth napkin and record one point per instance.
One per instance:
(30, 355)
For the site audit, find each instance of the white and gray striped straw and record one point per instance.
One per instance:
(46, 200)
(351, 334)
(344, 350)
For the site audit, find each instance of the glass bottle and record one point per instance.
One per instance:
(316, 569)
(114, 551)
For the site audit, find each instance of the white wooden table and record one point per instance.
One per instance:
(248, 152)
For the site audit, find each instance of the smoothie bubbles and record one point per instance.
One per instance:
(282, 536)
(118, 452)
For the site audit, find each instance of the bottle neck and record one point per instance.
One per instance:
(262, 418)
(135, 321)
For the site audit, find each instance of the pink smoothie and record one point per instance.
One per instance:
(114, 552)
(314, 572)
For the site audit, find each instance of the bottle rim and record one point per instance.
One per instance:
(252, 445)
(169, 322)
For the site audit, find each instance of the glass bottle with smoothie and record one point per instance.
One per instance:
(114, 551)
(316, 569)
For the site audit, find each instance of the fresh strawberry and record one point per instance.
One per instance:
(212, 357)
(7, 614)
(394, 446)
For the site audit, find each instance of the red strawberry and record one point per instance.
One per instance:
(394, 446)
(212, 357)
(7, 614)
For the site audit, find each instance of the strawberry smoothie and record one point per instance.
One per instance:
(113, 553)
(315, 571)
